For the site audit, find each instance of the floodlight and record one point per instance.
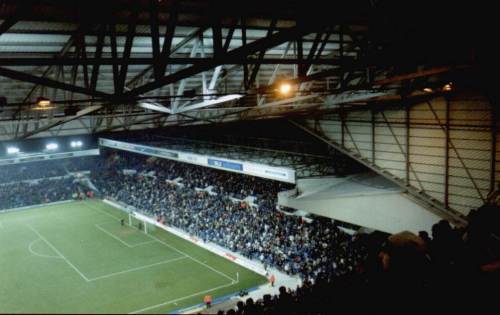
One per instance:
(43, 102)
(448, 87)
(12, 150)
(52, 146)
(76, 144)
(285, 88)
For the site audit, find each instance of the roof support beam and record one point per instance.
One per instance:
(66, 61)
(241, 52)
(126, 53)
(167, 41)
(256, 67)
(98, 54)
(187, 39)
(155, 34)
(61, 121)
(431, 204)
(21, 76)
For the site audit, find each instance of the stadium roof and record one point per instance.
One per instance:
(96, 62)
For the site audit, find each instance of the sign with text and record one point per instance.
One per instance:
(254, 169)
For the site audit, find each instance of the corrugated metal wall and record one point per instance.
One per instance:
(449, 145)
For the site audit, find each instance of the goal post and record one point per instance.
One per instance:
(141, 222)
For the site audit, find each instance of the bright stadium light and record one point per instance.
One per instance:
(285, 88)
(12, 150)
(51, 146)
(76, 144)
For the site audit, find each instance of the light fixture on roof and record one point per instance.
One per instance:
(51, 146)
(448, 87)
(43, 103)
(428, 90)
(285, 88)
(76, 144)
(12, 150)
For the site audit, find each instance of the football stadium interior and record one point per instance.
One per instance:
(247, 157)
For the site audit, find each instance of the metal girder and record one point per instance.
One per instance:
(8, 23)
(155, 33)
(61, 121)
(275, 71)
(21, 76)
(241, 52)
(180, 89)
(67, 61)
(217, 38)
(255, 69)
(114, 53)
(451, 146)
(98, 54)
(21, 11)
(187, 39)
(126, 53)
(433, 205)
(414, 75)
(167, 42)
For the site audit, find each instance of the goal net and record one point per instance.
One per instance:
(141, 222)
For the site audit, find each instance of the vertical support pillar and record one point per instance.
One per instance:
(342, 121)
(493, 151)
(407, 143)
(373, 134)
(447, 156)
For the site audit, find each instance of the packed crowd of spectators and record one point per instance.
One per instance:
(259, 232)
(22, 194)
(30, 171)
(454, 269)
(44, 169)
(32, 183)
(337, 269)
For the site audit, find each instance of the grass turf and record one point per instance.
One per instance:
(77, 258)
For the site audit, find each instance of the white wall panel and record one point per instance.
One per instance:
(469, 149)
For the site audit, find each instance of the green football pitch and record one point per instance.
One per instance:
(77, 258)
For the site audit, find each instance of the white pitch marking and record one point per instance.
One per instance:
(59, 253)
(102, 211)
(113, 236)
(144, 243)
(38, 254)
(137, 268)
(192, 258)
(181, 298)
(122, 241)
(179, 251)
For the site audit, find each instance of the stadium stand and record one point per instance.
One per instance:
(41, 182)
(23, 194)
(45, 169)
(404, 268)
(210, 204)
(259, 232)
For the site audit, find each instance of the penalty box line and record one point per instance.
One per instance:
(122, 241)
(172, 247)
(103, 276)
(137, 268)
